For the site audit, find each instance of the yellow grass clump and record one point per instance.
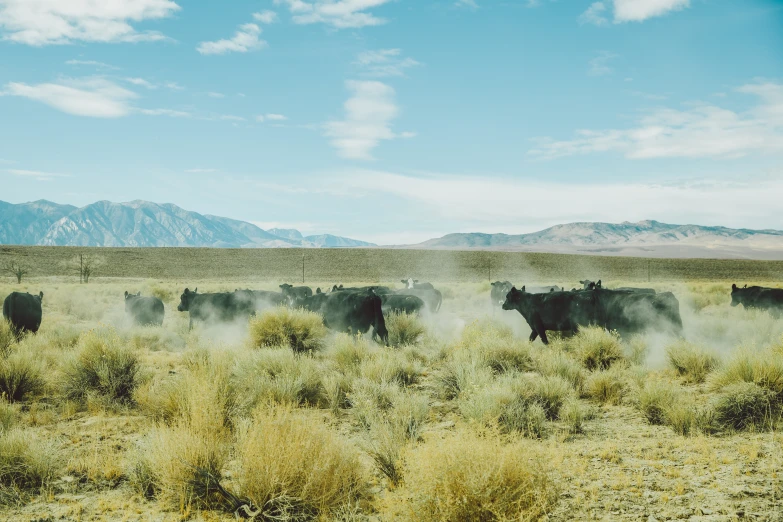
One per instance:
(404, 328)
(301, 330)
(470, 476)
(691, 361)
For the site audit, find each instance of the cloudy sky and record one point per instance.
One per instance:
(399, 120)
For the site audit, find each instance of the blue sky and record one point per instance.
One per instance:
(399, 120)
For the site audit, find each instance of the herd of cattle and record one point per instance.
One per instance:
(356, 310)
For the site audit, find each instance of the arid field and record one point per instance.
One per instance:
(460, 419)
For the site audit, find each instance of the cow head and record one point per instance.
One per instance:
(185, 299)
(318, 290)
(736, 295)
(513, 298)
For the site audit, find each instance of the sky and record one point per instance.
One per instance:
(395, 121)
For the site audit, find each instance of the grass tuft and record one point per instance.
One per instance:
(595, 348)
(745, 405)
(690, 361)
(28, 465)
(301, 330)
(404, 329)
(21, 377)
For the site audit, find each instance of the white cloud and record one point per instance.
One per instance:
(142, 82)
(640, 10)
(265, 17)
(216, 95)
(94, 97)
(174, 86)
(244, 40)
(229, 117)
(384, 62)
(165, 112)
(201, 171)
(92, 63)
(487, 201)
(368, 116)
(276, 117)
(599, 66)
(341, 14)
(594, 14)
(466, 3)
(53, 22)
(700, 130)
(629, 10)
(36, 174)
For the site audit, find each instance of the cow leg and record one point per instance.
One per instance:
(533, 335)
(190, 324)
(543, 337)
(541, 330)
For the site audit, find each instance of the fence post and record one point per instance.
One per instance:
(648, 271)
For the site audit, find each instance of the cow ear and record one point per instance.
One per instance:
(40, 296)
(734, 286)
(523, 288)
(745, 286)
(195, 290)
(126, 294)
(581, 282)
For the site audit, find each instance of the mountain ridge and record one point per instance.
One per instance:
(140, 223)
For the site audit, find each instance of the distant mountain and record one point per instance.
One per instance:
(645, 238)
(141, 224)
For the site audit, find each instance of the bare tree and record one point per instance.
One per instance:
(85, 265)
(16, 269)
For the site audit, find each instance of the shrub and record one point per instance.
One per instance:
(103, 366)
(394, 367)
(163, 294)
(682, 417)
(170, 464)
(348, 352)
(279, 375)
(20, 377)
(636, 350)
(503, 356)
(691, 361)
(301, 330)
(549, 392)
(655, 399)
(553, 362)
(573, 413)
(28, 464)
(470, 477)
(404, 328)
(528, 418)
(595, 348)
(458, 376)
(607, 386)
(9, 415)
(763, 368)
(308, 470)
(7, 337)
(744, 405)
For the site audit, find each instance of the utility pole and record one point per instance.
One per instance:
(648, 271)
(303, 268)
(489, 269)
(81, 268)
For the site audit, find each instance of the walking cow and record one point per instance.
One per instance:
(144, 311)
(23, 311)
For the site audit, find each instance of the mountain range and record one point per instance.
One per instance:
(147, 224)
(643, 239)
(143, 224)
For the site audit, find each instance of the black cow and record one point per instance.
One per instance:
(758, 297)
(411, 284)
(557, 311)
(144, 310)
(293, 293)
(262, 299)
(23, 312)
(380, 290)
(352, 312)
(630, 312)
(224, 307)
(401, 303)
(432, 298)
(632, 289)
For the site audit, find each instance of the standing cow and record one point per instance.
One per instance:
(144, 311)
(222, 307)
(352, 312)
(23, 312)
(758, 297)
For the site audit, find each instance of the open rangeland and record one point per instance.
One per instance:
(461, 418)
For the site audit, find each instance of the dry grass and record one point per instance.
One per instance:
(29, 462)
(300, 330)
(596, 348)
(745, 405)
(607, 386)
(7, 337)
(761, 367)
(691, 361)
(21, 377)
(469, 476)
(297, 467)
(404, 329)
(104, 366)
